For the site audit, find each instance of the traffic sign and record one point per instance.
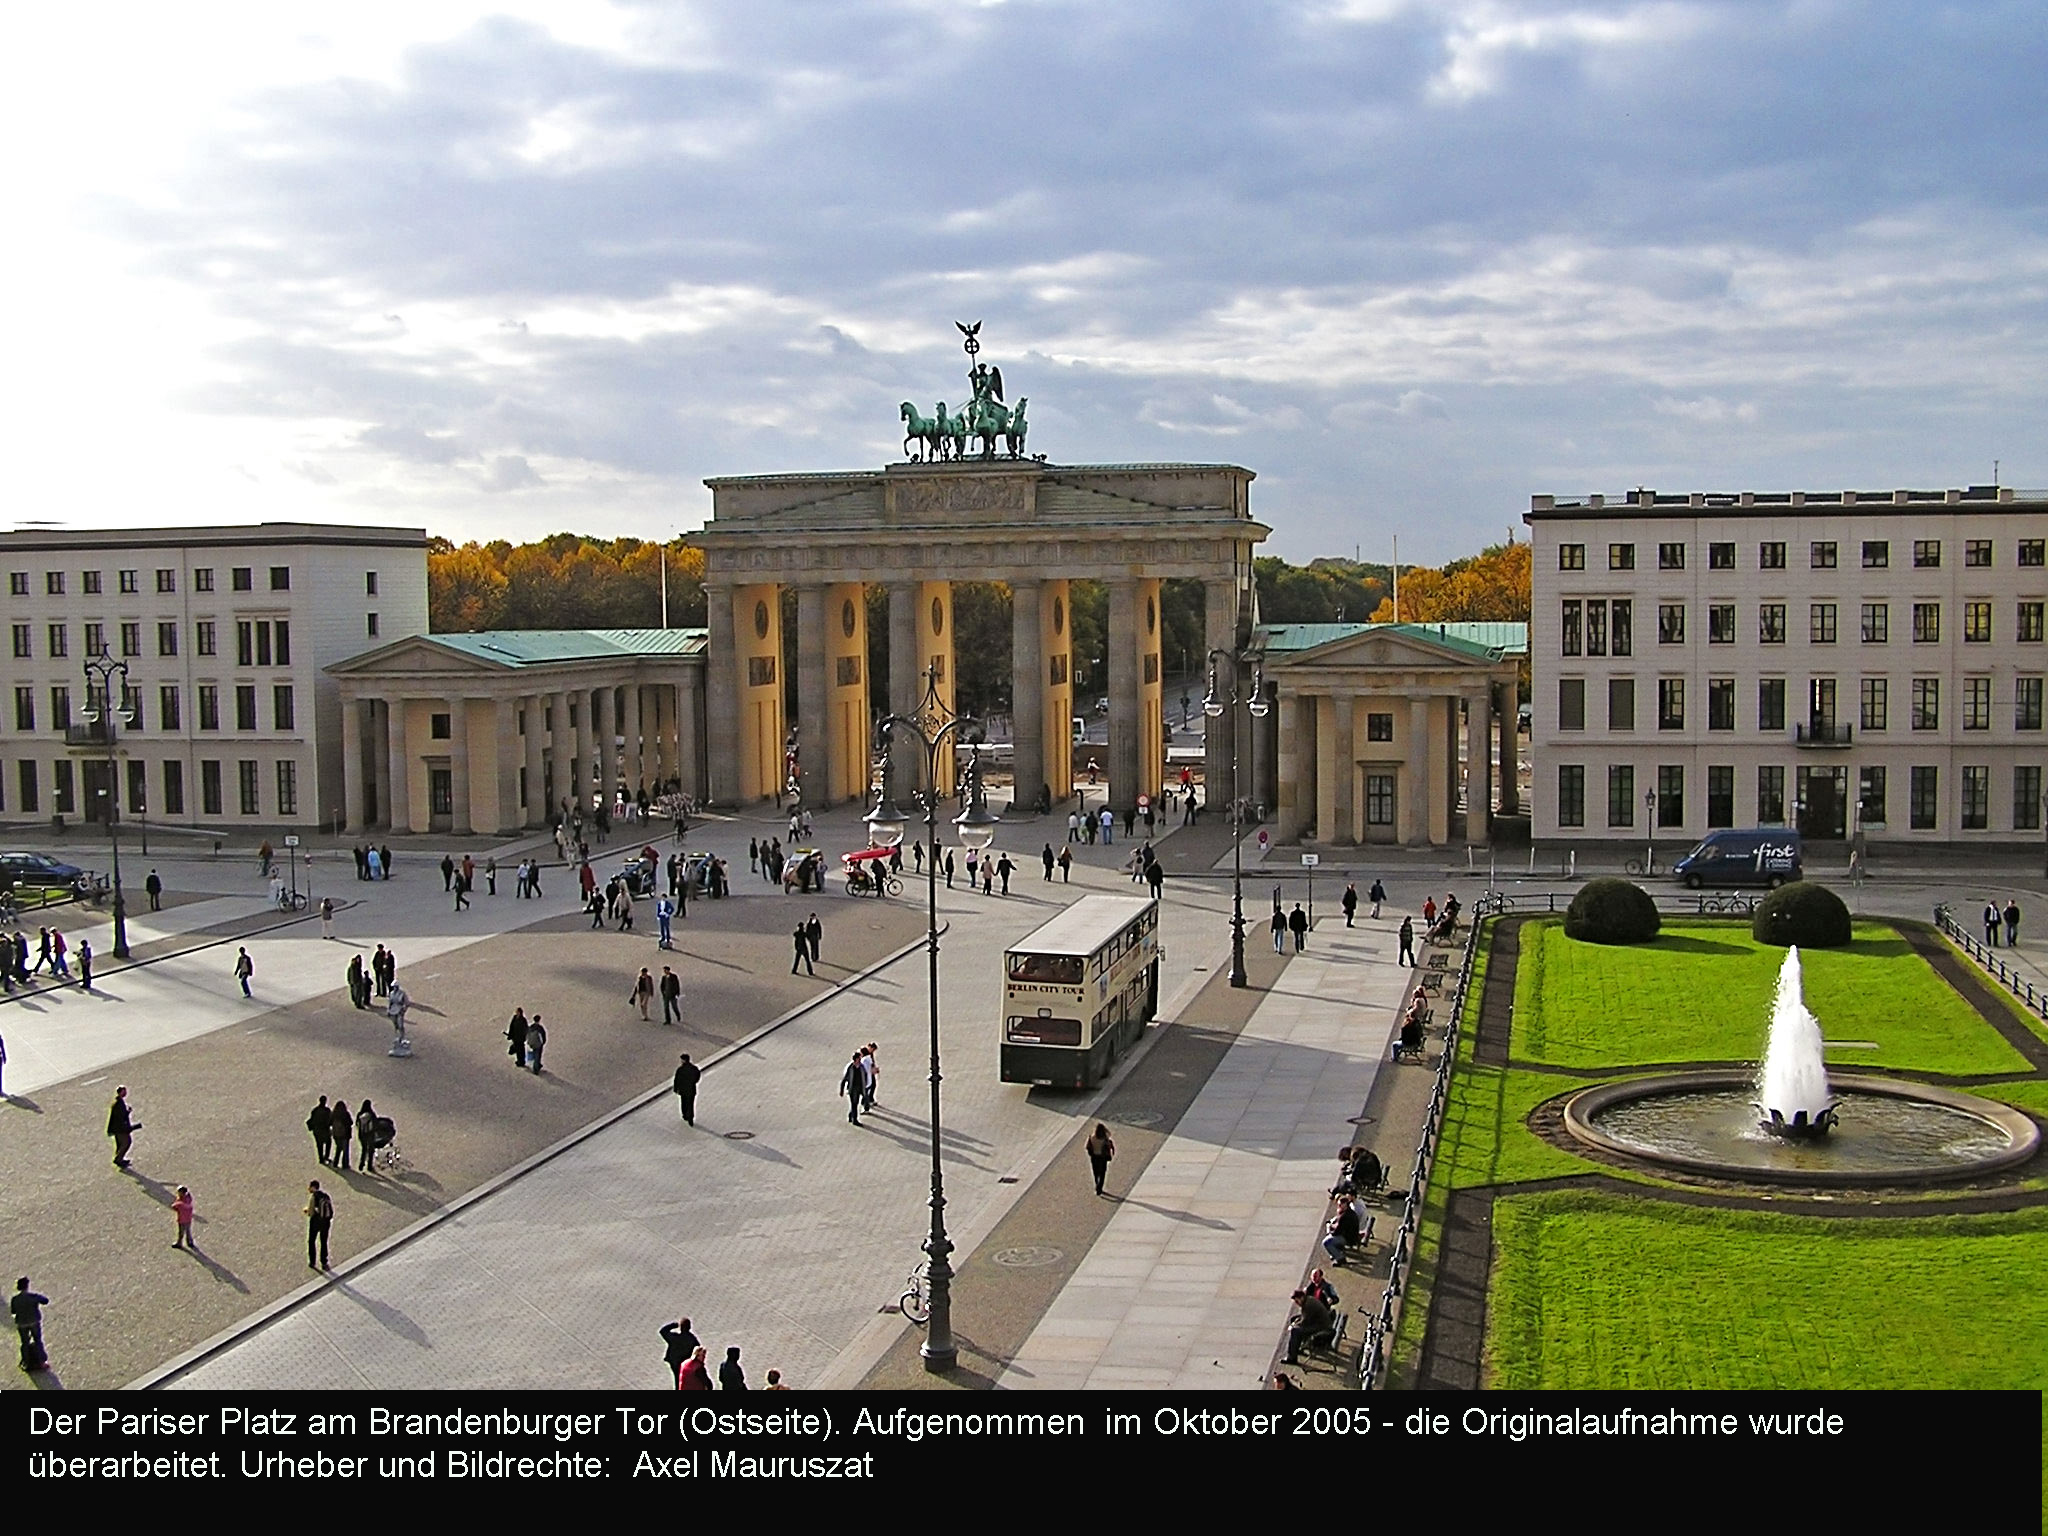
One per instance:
(1262, 837)
(291, 840)
(1144, 801)
(1311, 860)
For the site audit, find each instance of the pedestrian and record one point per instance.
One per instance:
(1088, 826)
(1130, 821)
(1297, 924)
(319, 1222)
(1378, 893)
(1350, 902)
(871, 1067)
(988, 877)
(664, 920)
(265, 854)
(695, 1376)
(1046, 858)
(1428, 913)
(42, 953)
(244, 969)
(320, 1121)
(1066, 866)
(1279, 930)
(973, 868)
(801, 938)
(326, 917)
(515, 1033)
(1407, 955)
(58, 948)
(154, 885)
(687, 1077)
(2012, 922)
(358, 983)
(491, 876)
(374, 864)
(643, 992)
(1101, 1148)
(1991, 922)
(776, 1383)
(853, 1082)
(27, 1307)
(85, 963)
(122, 1126)
(730, 1377)
(625, 908)
(1073, 826)
(447, 873)
(753, 855)
(1108, 826)
(533, 877)
(467, 871)
(595, 905)
(671, 996)
(461, 891)
(536, 1042)
(815, 932)
(181, 1208)
(679, 1344)
(344, 1132)
(366, 1138)
(949, 869)
(1004, 869)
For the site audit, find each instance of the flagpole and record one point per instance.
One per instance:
(663, 553)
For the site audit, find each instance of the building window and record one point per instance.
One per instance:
(1571, 557)
(1820, 622)
(1621, 703)
(1671, 623)
(2032, 551)
(63, 797)
(202, 581)
(1721, 557)
(60, 641)
(168, 715)
(1721, 624)
(280, 578)
(1877, 623)
(1926, 703)
(370, 625)
(1379, 727)
(138, 786)
(167, 638)
(283, 630)
(131, 581)
(1976, 799)
(1770, 704)
(1571, 795)
(209, 788)
(1770, 557)
(1877, 554)
(1770, 624)
(1976, 703)
(95, 639)
(1670, 703)
(89, 583)
(1596, 629)
(17, 583)
(1870, 797)
(203, 638)
(2028, 627)
(1624, 627)
(1770, 796)
(245, 644)
(1379, 799)
(60, 709)
(440, 792)
(131, 638)
(209, 707)
(438, 726)
(24, 642)
(1976, 623)
(1572, 609)
(1670, 557)
(1927, 554)
(245, 706)
(249, 781)
(24, 708)
(1876, 703)
(242, 579)
(1720, 703)
(369, 583)
(1621, 796)
(166, 580)
(760, 671)
(1720, 796)
(1571, 704)
(287, 787)
(53, 583)
(1926, 623)
(174, 788)
(26, 778)
(2026, 703)
(1976, 552)
(1821, 555)
(1621, 557)
(2026, 798)
(283, 715)
(1671, 795)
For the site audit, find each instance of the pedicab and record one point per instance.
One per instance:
(868, 873)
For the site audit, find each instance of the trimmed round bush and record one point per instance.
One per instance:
(1611, 911)
(1802, 913)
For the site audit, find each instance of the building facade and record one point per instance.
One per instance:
(496, 731)
(1839, 663)
(227, 633)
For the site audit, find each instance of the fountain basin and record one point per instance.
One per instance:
(1885, 1131)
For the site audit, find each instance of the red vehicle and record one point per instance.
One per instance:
(868, 873)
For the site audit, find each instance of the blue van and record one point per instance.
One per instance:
(1767, 856)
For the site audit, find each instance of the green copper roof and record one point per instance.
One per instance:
(1479, 640)
(534, 647)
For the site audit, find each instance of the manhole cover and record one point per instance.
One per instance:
(1360, 1119)
(739, 1135)
(1139, 1117)
(1029, 1258)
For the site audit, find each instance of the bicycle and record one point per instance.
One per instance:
(915, 1302)
(1638, 867)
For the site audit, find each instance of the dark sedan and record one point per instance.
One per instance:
(38, 870)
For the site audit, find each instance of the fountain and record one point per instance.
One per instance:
(1788, 1123)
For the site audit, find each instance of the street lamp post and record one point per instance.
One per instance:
(106, 668)
(1255, 706)
(932, 724)
(1650, 830)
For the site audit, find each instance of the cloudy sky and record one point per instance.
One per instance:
(500, 270)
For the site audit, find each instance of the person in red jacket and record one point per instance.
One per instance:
(695, 1376)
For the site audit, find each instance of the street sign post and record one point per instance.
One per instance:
(1309, 861)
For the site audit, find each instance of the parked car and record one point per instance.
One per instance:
(1080, 729)
(1102, 706)
(1759, 856)
(39, 870)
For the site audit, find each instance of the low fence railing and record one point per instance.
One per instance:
(2020, 986)
(1678, 903)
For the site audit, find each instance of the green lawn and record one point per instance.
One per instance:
(2032, 1095)
(1592, 1291)
(1702, 992)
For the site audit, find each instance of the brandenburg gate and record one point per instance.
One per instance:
(949, 515)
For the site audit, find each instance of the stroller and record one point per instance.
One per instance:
(383, 1141)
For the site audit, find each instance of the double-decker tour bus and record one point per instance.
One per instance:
(1078, 992)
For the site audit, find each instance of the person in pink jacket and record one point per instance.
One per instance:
(182, 1209)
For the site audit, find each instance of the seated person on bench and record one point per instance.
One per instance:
(1318, 1285)
(1315, 1325)
(1366, 1172)
(1342, 1232)
(1410, 1041)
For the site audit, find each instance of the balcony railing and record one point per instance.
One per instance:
(87, 734)
(1822, 733)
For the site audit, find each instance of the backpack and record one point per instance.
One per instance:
(323, 1208)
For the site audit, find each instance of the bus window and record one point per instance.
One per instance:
(1038, 1029)
(1057, 970)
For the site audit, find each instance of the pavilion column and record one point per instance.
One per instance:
(1416, 793)
(813, 694)
(395, 789)
(458, 764)
(604, 720)
(722, 704)
(1125, 694)
(1027, 695)
(634, 766)
(1479, 766)
(1510, 753)
(1219, 743)
(1333, 768)
(654, 752)
(352, 763)
(536, 811)
(1291, 814)
(506, 815)
(905, 688)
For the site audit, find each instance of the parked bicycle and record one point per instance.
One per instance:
(915, 1303)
